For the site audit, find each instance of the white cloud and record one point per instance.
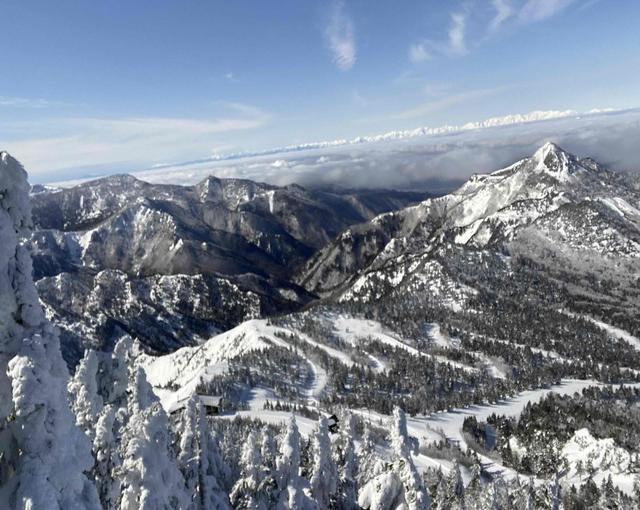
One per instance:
(29, 102)
(537, 10)
(428, 157)
(419, 53)
(422, 160)
(471, 25)
(85, 142)
(340, 37)
(457, 43)
(454, 45)
(504, 11)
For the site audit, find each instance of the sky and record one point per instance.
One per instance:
(90, 88)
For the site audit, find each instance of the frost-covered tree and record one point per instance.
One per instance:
(290, 483)
(114, 379)
(214, 472)
(83, 387)
(474, 487)
(189, 453)
(105, 472)
(247, 492)
(401, 484)
(347, 462)
(268, 448)
(150, 476)
(415, 493)
(324, 478)
(369, 461)
(44, 455)
(455, 489)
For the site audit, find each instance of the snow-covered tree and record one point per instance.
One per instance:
(268, 448)
(107, 459)
(401, 484)
(290, 483)
(415, 493)
(474, 487)
(369, 461)
(83, 387)
(150, 476)
(324, 478)
(247, 492)
(114, 379)
(455, 489)
(44, 455)
(189, 453)
(347, 461)
(214, 472)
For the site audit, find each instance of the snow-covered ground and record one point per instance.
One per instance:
(177, 375)
(617, 333)
(435, 427)
(352, 330)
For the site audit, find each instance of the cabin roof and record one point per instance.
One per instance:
(205, 400)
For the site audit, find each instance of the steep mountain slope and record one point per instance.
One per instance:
(553, 208)
(112, 256)
(521, 283)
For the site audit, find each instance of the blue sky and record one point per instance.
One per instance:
(90, 87)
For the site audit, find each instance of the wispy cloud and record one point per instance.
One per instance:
(457, 35)
(340, 36)
(471, 24)
(59, 143)
(454, 45)
(30, 102)
(537, 10)
(503, 11)
(419, 53)
(443, 103)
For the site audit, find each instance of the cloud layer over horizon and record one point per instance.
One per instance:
(428, 161)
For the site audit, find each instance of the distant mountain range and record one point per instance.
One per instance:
(112, 254)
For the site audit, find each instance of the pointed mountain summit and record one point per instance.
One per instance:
(490, 211)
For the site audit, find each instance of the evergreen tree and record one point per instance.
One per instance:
(214, 472)
(290, 484)
(151, 479)
(247, 492)
(347, 461)
(268, 448)
(415, 495)
(369, 462)
(324, 478)
(189, 450)
(86, 403)
(455, 488)
(106, 470)
(44, 454)
(400, 483)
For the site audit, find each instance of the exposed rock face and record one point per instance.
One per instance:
(171, 265)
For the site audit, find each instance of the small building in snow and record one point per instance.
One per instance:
(212, 404)
(332, 422)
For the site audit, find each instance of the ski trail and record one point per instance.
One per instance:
(616, 332)
(318, 383)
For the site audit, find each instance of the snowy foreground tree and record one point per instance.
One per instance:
(399, 485)
(43, 455)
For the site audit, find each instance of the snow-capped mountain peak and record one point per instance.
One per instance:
(550, 193)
